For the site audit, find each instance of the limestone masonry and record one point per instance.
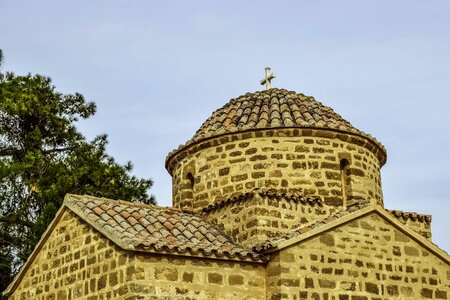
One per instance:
(275, 197)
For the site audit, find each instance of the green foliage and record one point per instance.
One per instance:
(42, 157)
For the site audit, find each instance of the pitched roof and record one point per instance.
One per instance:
(150, 228)
(137, 226)
(340, 217)
(273, 108)
(273, 243)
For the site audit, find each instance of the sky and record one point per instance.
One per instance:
(158, 69)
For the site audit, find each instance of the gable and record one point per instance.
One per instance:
(82, 253)
(69, 253)
(366, 256)
(75, 261)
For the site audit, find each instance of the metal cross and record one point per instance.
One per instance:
(269, 76)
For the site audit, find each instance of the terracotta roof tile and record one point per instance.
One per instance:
(291, 195)
(273, 108)
(411, 215)
(150, 227)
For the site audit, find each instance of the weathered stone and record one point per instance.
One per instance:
(167, 273)
(101, 283)
(298, 165)
(426, 293)
(348, 286)
(235, 279)
(396, 251)
(440, 294)
(372, 288)
(275, 173)
(327, 239)
(309, 283)
(239, 177)
(400, 237)
(332, 166)
(258, 157)
(302, 149)
(325, 283)
(256, 175)
(235, 153)
(392, 290)
(188, 277)
(333, 175)
(251, 151)
(215, 278)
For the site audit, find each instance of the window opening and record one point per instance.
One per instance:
(190, 177)
(345, 181)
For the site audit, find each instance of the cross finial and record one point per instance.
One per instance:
(269, 76)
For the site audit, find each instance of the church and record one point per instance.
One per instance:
(276, 196)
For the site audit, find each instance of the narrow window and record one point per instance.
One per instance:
(345, 181)
(191, 180)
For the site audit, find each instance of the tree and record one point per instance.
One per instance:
(42, 157)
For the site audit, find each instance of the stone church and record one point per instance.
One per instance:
(276, 196)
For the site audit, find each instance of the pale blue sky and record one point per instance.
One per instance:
(158, 69)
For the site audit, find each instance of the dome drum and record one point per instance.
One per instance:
(303, 160)
(281, 140)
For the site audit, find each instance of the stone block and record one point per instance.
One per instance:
(215, 278)
(327, 239)
(372, 288)
(426, 293)
(328, 284)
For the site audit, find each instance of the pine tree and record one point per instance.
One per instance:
(42, 157)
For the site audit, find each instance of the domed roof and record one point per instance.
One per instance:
(268, 109)
(273, 108)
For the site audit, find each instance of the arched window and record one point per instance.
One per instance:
(190, 177)
(345, 181)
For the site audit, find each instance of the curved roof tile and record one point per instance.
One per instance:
(273, 108)
(145, 227)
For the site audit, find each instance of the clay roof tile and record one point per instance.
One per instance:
(148, 227)
(291, 108)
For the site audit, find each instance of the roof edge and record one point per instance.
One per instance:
(263, 193)
(183, 147)
(13, 285)
(67, 205)
(257, 257)
(359, 214)
(414, 216)
(76, 210)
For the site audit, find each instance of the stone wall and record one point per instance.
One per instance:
(364, 259)
(259, 215)
(163, 277)
(73, 263)
(308, 160)
(76, 262)
(367, 258)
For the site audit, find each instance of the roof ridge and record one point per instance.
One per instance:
(87, 197)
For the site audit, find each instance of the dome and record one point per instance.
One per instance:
(276, 139)
(273, 108)
(269, 109)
